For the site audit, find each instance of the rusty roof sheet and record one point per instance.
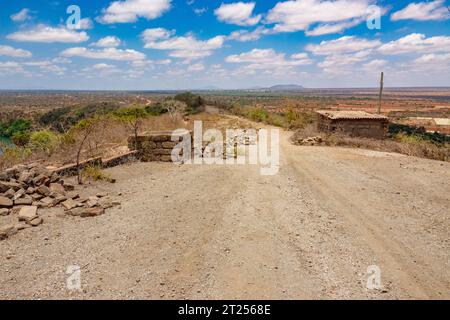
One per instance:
(351, 115)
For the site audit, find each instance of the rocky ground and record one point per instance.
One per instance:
(219, 232)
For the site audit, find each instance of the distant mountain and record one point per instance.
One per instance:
(286, 87)
(279, 87)
(209, 88)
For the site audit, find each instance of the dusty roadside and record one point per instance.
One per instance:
(218, 232)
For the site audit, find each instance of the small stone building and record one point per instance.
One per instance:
(353, 123)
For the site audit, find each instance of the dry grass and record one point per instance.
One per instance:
(108, 139)
(408, 145)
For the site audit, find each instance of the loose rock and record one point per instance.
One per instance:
(92, 212)
(28, 213)
(7, 231)
(5, 202)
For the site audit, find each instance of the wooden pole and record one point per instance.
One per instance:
(381, 92)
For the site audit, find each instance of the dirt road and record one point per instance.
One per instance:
(214, 232)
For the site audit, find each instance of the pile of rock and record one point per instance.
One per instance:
(31, 185)
(310, 141)
(25, 189)
(89, 207)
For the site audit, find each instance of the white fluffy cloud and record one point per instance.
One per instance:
(13, 52)
(151, 35)
(239, 13)
(46, 34)
(332, 16)
(245, 35)
(107, 42)
(416, 43)
(375, 66)
(107, 54)
(21, 16)
(187, 47)
(344, 44)
(85, 24)
(423, 11)
(32, 68)
(433, 58)
(267, 59)
(196, 67)
(343, 63)
(130, 10)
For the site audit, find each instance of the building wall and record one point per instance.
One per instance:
(370, 128)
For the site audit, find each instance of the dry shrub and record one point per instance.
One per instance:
(95, 173)
(401, 143)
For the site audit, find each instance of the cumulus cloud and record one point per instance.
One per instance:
(332, 28)
(21, 16)
(196, 67)
(150, 63)
(29, 68)
(85, 24)
(239, 13)
(107, 54)
(416, 43)
(46, 34)
(344, 44)
(130, 10)
(187, 47)
(101, 70)
(375, 65)
(343, 63)
(13, 52)
(246, 35)
(151, 35)
(266, 59)
(433, 58)
(332, 16)
(422, 11)
(11, 67)
(46, 66)
(107, 42)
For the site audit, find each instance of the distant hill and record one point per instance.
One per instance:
(279, 87)
(286, 87)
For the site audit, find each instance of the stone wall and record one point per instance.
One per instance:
(72, 169)
(154, 146)
(369, 128)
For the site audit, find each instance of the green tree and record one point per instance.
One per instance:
(44, 140)
(194, 102)
(132, 118)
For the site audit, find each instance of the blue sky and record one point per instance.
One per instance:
(188, 44)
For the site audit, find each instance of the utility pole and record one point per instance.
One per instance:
(381, 92)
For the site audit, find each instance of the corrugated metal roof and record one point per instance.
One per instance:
(355, 115)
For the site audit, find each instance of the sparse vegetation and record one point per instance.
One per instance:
(15, 128)
(175, 108)
(194, 103)
(95, 173)
(44, 140)
(132, 118)
(411, 145)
